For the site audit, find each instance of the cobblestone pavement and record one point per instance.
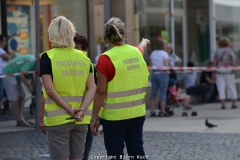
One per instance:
(32, 145)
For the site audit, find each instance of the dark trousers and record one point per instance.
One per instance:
(128, 131)
(201, 89)
(88, 143)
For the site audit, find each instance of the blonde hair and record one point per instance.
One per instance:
(61, 33)
(223, 42)
(115, 30)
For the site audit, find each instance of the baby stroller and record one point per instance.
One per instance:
(174, 101)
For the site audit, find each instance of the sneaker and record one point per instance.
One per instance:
(21, 124)
(153, 114)
(223, 107)
(234, 107)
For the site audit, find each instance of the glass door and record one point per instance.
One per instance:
(154, 21)
(178, 29)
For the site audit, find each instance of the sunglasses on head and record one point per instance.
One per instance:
(56, 17)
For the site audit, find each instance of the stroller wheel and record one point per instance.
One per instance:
(184, 114)
(194, 113)
(171, 113)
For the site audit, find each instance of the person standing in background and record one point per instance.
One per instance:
(159, 58)
(81, 43)
(104, 47)
(4, 58)
(174, 60)
(225, 57)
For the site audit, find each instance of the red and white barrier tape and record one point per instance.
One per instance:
(16, 74)
(193, 68)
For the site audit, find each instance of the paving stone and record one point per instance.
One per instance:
(32, 145)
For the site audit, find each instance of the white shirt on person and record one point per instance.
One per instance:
(157, 57)
(173, 58)
(188, 79)
(2, 62)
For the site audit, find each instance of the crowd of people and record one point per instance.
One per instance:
(79, 97)
(211, 85)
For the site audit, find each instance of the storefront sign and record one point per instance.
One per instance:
(18, 22)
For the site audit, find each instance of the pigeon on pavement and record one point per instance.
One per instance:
(209, 125)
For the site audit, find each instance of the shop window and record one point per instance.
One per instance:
(21, 22)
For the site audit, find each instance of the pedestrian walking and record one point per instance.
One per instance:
(67, 78)
(225, 57)
(122, 78)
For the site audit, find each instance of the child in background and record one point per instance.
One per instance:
(178, 95)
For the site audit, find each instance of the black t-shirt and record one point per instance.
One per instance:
(204, 75)
(46, 66)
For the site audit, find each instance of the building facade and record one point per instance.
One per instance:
(192, 26)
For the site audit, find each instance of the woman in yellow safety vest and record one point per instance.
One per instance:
(69, 90)
(122, 79)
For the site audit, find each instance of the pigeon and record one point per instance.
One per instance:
(209, 125)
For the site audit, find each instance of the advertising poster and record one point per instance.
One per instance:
(18, 23)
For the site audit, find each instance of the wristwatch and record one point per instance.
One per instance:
(94, 119)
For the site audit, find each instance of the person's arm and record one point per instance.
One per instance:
(41, 116)
(88, 96)
(178, 61)
(48, 85)
(144, 44)
(166, 59)
(233, 61)
(98, 100)
(25, 81)
(166, 62)
(5, 57)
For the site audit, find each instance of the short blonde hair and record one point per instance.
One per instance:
(114, 30)
(61, 32)
(223, 42)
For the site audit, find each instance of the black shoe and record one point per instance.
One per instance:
(234, 107)
(153, 114)
(223, 107)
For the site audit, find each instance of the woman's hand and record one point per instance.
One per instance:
(79, 115)
(94, 126)
(42, 127)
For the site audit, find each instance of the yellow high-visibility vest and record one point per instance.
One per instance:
(126, 92)
(70, 68)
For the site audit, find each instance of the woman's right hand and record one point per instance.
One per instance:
(42, 127)
(94, 126)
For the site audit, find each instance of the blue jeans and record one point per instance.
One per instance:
(159, 82)
(88, 144)
(128, 131)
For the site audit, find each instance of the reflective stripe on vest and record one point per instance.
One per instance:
(63, 112)
(66, 99)
(126, 93)
(124, 104)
